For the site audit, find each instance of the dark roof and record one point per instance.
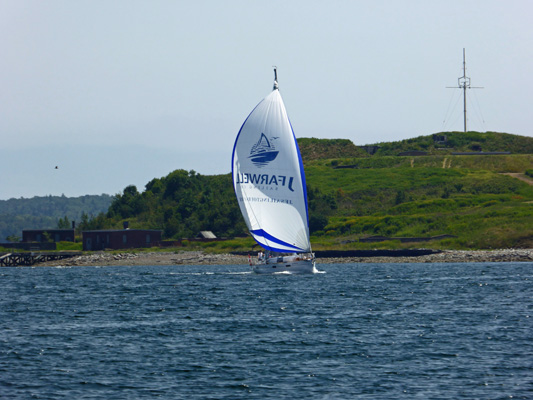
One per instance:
(124, 230)
(48, 230)
(207, 235)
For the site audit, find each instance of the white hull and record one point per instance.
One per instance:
(292, 267)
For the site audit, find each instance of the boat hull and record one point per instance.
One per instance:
(292, 267)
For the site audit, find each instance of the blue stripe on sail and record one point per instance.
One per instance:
(277, 249)
(269, 237)
(302, 173)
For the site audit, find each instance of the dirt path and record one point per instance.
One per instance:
(522, 177)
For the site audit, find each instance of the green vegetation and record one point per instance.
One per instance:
(69, 246)
(354, 195)
(312, 148)
(460, 142)
(464, 196)
(483, 208)
(181, 204)
(185, 203)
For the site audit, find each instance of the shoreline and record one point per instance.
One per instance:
(202, 258)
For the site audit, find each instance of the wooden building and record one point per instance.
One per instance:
(48, 235)
(120, 239)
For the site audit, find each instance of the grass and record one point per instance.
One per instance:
(463, 142)
(497, 163)
(464, 196)
(69, 246)
(228, 246)
(491, 224)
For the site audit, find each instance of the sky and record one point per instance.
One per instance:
(117, 93)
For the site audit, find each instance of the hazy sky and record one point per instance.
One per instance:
(120, 92)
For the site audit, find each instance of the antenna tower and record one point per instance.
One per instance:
(464, 83)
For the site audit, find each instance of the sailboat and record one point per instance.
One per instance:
(269, 182)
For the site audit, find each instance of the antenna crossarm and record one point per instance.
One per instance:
(464, 83)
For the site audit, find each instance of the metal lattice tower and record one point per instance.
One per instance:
(464, 83)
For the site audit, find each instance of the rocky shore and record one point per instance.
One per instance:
(447, 256)
(150, 258)
(202, 258)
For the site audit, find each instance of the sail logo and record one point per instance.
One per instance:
(263, 152)
(265, 180)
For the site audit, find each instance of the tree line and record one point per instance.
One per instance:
(184, 203)
(47, 212)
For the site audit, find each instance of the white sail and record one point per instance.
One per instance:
(269, 179)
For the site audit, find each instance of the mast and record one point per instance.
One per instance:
(275, 78)
(464, 83)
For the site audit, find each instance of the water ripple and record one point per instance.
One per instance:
(367, 331)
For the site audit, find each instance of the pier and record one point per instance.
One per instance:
(32, 258)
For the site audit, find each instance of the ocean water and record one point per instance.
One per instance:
(357, 331)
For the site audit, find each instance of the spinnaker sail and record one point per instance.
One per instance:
(269, 179)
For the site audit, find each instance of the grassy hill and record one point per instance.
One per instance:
(437, 144)
(314, 149)
(476, 198)
(354, 195)
(470, 197)
(447, 142)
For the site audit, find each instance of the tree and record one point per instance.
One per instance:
(317, 223)
(84, 224)
(128, 204)
(63, 223)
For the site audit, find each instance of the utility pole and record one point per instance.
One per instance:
(464, 83)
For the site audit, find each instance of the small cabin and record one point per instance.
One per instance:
(206, 235)
(120, 239)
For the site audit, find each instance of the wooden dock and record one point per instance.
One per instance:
(32, 258)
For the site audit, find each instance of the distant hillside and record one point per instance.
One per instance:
(435, 144)
(475, 202)
(314, 149)
(44, 212)
(478, 200)
(448, 142)
(471, 202)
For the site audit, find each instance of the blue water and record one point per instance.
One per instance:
(365, 331)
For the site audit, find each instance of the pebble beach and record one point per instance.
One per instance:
(202, 258)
